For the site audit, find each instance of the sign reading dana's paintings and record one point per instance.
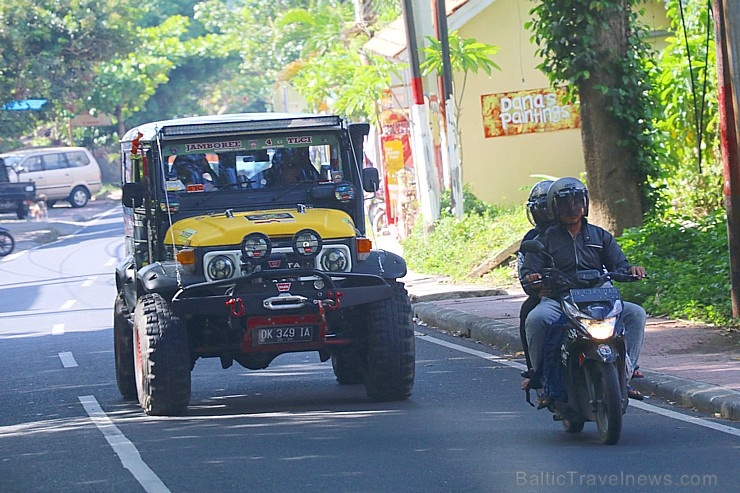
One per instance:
(523, 112)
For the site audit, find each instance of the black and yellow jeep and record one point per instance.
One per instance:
(245, 239)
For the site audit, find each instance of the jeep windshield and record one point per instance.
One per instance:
(268, 162)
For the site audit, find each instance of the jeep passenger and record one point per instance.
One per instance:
(245, 239)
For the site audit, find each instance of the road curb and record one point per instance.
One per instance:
(704, 397)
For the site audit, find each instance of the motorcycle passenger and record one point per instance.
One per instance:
(541, 218)
(575, 244)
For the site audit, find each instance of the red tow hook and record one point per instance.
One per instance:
(237, 307)
(334, 299)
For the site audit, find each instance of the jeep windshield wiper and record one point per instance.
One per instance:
(285, 192)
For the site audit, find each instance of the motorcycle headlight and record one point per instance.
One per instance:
(599, 329)
(221, 267)
(334, 260)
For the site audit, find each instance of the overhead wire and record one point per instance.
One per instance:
(698, 111)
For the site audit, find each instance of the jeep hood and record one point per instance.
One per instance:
(220, 229)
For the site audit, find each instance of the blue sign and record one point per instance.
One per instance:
(24, 104)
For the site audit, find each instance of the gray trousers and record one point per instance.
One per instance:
(548, 311)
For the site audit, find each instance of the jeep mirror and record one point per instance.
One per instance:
(133, 195)
(370, 180)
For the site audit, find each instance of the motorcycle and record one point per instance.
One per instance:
(7, 242)
(585, 364)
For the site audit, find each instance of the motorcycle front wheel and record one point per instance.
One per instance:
(7, 244)
(608, 404)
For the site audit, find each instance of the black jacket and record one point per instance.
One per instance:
(592, 248)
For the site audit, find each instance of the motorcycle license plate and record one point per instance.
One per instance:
(284, 335)
(594, 294)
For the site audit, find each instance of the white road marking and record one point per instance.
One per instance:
(122, 446)
(57, 329)
(67, 304)
(89, 282)
(68, 361)
(640, 405)
(111, 262)
(13, 256)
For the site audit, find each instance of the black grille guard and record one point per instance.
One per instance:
(275, 290)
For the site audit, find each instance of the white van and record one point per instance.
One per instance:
(60, 173)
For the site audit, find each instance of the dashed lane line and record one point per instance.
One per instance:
(68, 361)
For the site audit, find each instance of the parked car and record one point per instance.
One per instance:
(60, 173)
(15, 197)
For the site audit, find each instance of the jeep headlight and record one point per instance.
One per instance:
(221, 267)
(334, 260)
(256, 246)
(307, 243)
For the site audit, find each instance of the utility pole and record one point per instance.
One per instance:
(426, 170)
(449, 113)
(727, 40)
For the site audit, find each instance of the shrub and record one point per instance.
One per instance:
(688, 264)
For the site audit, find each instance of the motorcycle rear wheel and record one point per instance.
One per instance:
(609, 404)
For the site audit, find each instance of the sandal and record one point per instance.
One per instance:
(543, 402)
(633, 393)
(638, 374)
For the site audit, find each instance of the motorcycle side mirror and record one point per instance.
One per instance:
(532, 246)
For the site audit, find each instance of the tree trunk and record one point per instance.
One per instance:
(616, 202)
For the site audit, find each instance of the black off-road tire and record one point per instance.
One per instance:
(609, 404)
(391, 358)
(347, 367)
(123, 347)
(162, 357)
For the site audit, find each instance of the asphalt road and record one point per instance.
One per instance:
(291, 427)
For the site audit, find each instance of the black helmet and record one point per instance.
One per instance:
(568, 197)
(537, 211)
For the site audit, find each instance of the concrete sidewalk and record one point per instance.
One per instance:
(691, 365)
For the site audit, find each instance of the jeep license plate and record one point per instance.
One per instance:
(281, 335)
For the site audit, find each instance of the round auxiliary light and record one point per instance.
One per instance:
(307, 243)
(344, 192)
(221, 267)
(256, 246)
(334, 260)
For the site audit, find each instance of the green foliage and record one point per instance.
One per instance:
(572, 53)
(455, 247)
(690, 114)
(687, 261)
(467, 55)
(49, 50)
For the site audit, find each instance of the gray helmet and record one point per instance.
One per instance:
(567, 197)
(537, 211)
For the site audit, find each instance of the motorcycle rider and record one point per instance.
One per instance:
(575, 244)
(541, 218)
